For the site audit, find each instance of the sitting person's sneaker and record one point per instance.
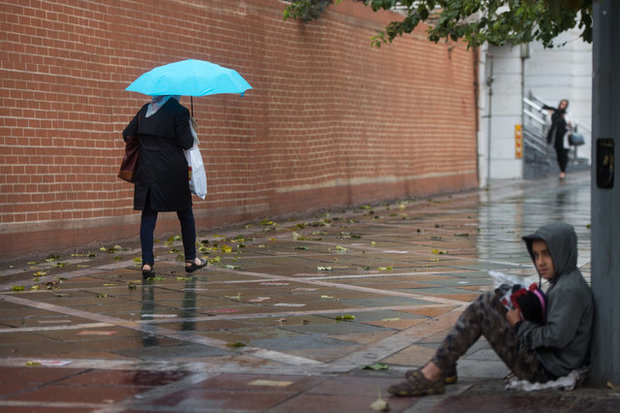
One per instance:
(417, 385)
(449, 377)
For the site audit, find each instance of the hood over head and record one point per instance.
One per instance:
(561, 240)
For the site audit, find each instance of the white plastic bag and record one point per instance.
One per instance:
(505, 282)
(500, 278)
(197, 173)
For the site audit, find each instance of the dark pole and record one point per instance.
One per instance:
(606, 192)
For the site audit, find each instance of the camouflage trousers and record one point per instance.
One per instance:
(486, 316)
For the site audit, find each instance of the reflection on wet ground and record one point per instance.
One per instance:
(285, 317)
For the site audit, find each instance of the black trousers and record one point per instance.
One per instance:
(562, 155)
(188, 234)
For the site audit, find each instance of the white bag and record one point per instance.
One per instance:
(197, 174)
(500, 278)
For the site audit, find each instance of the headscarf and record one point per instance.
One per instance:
(157, 102)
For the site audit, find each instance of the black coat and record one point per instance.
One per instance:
(162, 180)
(557, 130)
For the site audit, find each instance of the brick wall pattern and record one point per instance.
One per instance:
(330, 121)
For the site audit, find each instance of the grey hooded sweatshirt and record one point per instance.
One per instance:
(562, 343)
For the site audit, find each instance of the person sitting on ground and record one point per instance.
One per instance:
(536, 352)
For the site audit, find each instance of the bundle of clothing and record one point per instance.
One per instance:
(532, 302)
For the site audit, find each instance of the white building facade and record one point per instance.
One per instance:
(507, 74)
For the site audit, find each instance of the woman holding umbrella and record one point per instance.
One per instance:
(161, 182)
(164, 129)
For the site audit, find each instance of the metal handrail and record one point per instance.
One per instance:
(534, 128)
(533, 117)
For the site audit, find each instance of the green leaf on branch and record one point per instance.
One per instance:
(475, 22)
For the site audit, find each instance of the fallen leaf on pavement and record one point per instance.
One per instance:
(380, 405)
(376, 366)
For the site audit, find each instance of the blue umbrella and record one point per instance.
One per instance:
(190, 78)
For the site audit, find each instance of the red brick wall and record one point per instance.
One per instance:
(330, 121)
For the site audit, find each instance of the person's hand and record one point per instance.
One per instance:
(513, 316)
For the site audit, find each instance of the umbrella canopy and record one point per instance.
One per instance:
(190, 78)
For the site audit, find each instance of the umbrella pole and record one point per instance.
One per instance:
(191, 99)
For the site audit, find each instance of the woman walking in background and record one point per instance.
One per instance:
(558, 134)
(161, 182)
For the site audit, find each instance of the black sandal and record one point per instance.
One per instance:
(194, 266)
(146, 274)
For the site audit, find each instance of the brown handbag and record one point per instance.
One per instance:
(129, 164)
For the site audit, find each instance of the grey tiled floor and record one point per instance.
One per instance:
(285, 319)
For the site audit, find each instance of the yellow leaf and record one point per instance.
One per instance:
(272, 383)
(234, 297)
(380, 405)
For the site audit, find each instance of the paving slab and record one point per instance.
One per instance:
(288, 317)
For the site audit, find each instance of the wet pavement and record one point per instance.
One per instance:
(312, 314)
